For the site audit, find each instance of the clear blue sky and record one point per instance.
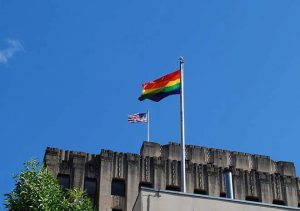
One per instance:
(71, 72)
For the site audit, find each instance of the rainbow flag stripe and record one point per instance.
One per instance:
(161, 87)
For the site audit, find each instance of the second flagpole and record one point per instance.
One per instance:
(183, 182)
(148, 126)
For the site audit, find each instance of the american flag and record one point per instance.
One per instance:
(139, 117)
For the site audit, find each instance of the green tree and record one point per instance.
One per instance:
(76, 200)
(36, 189)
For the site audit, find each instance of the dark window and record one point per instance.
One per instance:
(279, 202)
(201, 192)
(173, 188)
(146, 184)
(118, 187)
(223, 195)
(116, 210)
(64, 181)
(252, 198)
(90, 187)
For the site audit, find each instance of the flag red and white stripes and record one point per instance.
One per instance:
(139, 117)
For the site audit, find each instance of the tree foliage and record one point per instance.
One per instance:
(37, 189)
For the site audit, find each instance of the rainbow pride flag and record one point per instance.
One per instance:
(161, 87)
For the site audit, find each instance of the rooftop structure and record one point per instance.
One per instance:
(112, 179)
(153, 200)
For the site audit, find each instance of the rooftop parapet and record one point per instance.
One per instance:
(219, 158)
(65, 155)
(150, 149)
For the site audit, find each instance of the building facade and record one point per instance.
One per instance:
(113, 179)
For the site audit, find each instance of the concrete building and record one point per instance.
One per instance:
(113, 179)
(153, 200)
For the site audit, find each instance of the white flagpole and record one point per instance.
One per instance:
(148, 126)
(183, 181)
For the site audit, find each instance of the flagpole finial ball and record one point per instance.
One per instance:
(181, 59)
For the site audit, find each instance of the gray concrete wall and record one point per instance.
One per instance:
(151, 200)
(255, 177)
